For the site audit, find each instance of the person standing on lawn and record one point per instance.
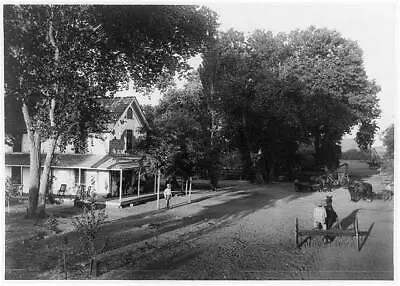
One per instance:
(320, 216)
(168, 195)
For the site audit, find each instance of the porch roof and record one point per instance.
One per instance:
(117, 162)
(75, 161)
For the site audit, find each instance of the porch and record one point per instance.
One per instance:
(131, 200)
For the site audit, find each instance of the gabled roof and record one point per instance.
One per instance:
(118, 105)
(14, 122)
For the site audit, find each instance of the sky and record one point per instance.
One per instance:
(371, 23)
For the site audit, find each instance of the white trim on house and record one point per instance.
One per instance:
(82, 167)
(57, 167)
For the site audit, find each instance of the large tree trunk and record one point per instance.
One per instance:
(271, 170)
(317, 146)
(246, 158)
(260, 170)
(53, 137)
(271, 161)
(34, 174)
(34, 161)
(213, 174)
(213, 170)
(246, 149)
(47, 164)
(45, 177)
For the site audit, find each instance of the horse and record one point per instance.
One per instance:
(363, 189)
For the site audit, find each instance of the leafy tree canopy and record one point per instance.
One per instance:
(336, 89)
(76, 52)
(61, 58)
(174, 144)
(276, 91)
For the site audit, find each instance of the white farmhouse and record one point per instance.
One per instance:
(109, 167)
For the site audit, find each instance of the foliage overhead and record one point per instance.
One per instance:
(276, 91)
(336, 88)
(156, 40)
(60, 59)
(98, 49)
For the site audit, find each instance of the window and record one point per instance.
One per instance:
(129, 113)
(16, 175)
(17, 146)
(76, 175)
(83, 176)
(129, 140)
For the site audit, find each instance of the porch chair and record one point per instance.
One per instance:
(62, 189)
(20, 190)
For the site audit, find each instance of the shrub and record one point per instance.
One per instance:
(88, 225)
(52, 224)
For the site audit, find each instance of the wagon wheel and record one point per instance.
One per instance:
(336, 182)
(317, 187)
(346, 181)
(327, 188)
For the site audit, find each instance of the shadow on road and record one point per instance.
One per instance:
(224, 210)
(348, 220)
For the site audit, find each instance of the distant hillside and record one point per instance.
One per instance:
(380, 150)
(348, 144)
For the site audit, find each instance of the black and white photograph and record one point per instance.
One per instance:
(199, 141)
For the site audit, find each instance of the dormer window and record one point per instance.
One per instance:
(129, 141)
(17, 144)
(129, 113)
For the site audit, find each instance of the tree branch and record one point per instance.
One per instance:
(51, 113)
(27, 119)
(56, 60)
(53, 42)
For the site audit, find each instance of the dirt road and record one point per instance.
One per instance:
(248, 234)
(243, 233)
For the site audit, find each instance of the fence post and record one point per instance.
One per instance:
(297, 233)
(190, 189)
(357, 232)
(158, 189)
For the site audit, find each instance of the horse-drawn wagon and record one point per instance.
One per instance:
(309, 181)
(337, 231)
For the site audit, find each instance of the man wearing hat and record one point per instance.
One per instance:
(331, 215)
(320, 215)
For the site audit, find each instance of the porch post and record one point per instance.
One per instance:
(97, 181)
(79, 181)
(138, 185)
(120, 186)
(155, 182)
(158, 189)
(190, 189)
(22, 181)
